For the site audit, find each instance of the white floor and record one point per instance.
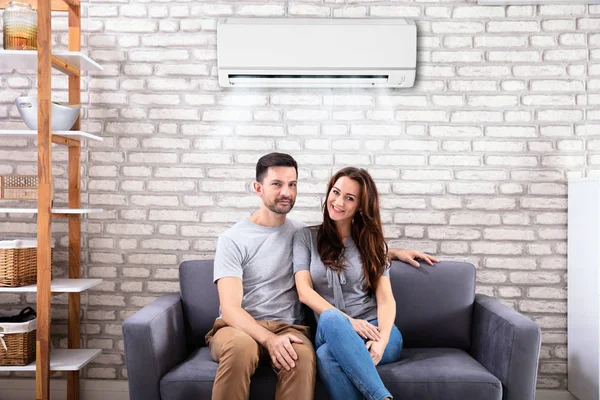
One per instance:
(554, 395)
(22, 389)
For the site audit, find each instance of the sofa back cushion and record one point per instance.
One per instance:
(434, 305)
(200, 299)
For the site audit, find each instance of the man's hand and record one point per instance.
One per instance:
(281, 350)
(365, 329)
(376, 349)
(410, 256)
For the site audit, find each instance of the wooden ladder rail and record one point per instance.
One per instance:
(74, 328)
(44, 216)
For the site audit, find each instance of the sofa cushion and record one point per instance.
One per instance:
(193, 379)
(439, 374)
(434, 304)
(432, 374)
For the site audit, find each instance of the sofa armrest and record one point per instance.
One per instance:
(154, 343)
(508, 345)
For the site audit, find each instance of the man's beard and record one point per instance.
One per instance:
(281, 209)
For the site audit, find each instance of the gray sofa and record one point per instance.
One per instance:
(457, 345)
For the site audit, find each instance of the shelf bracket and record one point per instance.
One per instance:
(66, 141)
(72, 3)
(65, 67)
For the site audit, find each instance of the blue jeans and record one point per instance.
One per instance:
(344, 363)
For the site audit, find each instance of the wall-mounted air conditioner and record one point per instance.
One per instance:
(302, 52)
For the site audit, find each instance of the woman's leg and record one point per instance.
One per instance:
(350, 352)
(335, 380)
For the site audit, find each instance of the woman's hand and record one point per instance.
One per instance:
(376, 350)
(411, 256)
(365, 330)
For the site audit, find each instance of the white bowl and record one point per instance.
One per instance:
(63, 115)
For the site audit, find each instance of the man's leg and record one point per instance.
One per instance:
(238, 356)
(299, 382)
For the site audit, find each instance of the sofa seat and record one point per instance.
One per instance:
(426, 373)
(193, 379)
(439, 374)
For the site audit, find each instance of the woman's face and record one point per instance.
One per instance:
(342, 200)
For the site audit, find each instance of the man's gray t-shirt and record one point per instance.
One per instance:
(344, 290)
(261, 256)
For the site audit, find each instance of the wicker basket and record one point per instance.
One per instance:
(18, 262)
(18, 187)
(17, 343)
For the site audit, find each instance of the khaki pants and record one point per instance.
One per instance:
(239, 355)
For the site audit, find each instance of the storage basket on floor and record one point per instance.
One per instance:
(18, 262)
(17, 340)
(18, 187)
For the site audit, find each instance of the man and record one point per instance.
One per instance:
(260, 310)
(261, 314)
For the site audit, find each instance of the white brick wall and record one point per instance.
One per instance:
(472, 162)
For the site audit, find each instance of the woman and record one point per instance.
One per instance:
(341, 269)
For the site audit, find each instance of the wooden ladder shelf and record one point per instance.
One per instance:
(70, 63)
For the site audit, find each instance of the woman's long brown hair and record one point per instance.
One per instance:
(366, 231)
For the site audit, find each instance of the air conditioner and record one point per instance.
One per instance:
(302, 52)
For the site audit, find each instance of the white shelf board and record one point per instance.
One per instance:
(62, 360)
(54, 210)
(27, 59)
(57, 286)
(19, 134)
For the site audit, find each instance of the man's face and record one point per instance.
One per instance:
(278, 189)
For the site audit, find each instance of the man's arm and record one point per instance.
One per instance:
(280, 348)
(228, 273)
(231, 292)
